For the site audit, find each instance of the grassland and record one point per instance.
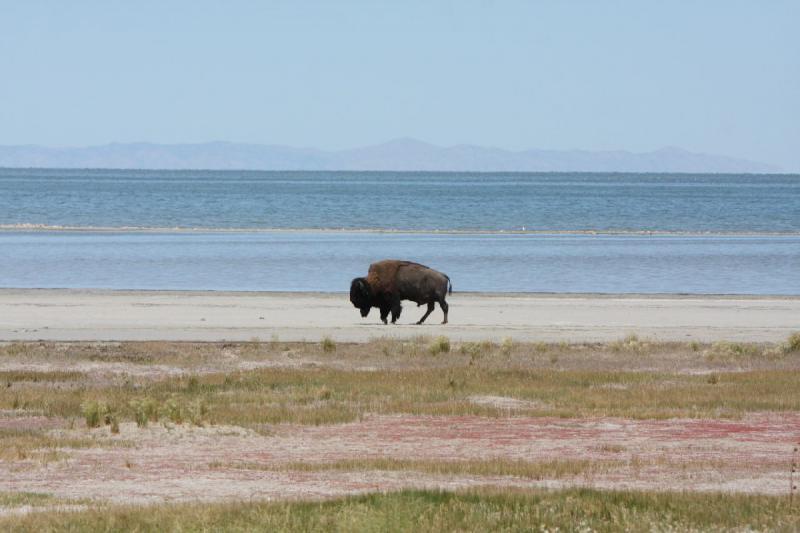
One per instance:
(487, 510)
(257, 398)
(321, 384)
(65, 407)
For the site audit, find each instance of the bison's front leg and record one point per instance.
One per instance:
(396, 310)
(385, 312)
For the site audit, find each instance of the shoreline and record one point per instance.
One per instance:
(108, 315)
(337, 294)
(45, 228)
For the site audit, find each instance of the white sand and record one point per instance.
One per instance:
(212, 316)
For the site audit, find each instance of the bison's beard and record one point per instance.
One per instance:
(365, 311)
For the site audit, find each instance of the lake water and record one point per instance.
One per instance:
(410, 201)
(736, 234)
(312, 261)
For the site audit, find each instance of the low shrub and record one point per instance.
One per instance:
(476, 349)
(328, 345)
(440, 345)
(197, 413)
(95, 412)
(173, 411)
(507, 346)
(793, 343)
(631, 344)
(144, 411)
(731, 350)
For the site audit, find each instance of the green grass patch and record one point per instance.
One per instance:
(10, 377)
(491, 467)
(20, 499)
(419, 510)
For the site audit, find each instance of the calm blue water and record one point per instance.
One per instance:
(706, 218)
(282, 261)
(411, 201)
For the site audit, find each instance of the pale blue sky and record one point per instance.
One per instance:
(712, 76)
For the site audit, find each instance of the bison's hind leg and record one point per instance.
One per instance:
(429, 311)
(444, 307)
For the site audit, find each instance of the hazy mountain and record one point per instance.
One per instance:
(399, 154)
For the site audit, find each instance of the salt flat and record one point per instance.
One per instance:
(87, 315)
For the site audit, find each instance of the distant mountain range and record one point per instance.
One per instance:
(399, 155)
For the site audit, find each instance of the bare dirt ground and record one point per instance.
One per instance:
(182, 463)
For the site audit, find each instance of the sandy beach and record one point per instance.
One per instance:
(87, 315)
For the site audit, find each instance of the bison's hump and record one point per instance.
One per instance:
(383, 275)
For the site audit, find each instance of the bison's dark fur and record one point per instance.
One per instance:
(390, 281)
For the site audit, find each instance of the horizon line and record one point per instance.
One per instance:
(401, 154)
(431, 171)
(392, 140)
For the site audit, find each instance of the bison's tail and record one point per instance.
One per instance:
(449, 285)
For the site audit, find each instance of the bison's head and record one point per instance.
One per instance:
(361, 295)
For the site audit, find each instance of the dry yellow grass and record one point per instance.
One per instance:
(630, 353)
(10, 500)
(37, 445)
(492, 467)
(309, 384)
(502, 467)
(326, 395)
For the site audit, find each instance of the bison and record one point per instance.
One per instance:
(390, 281)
